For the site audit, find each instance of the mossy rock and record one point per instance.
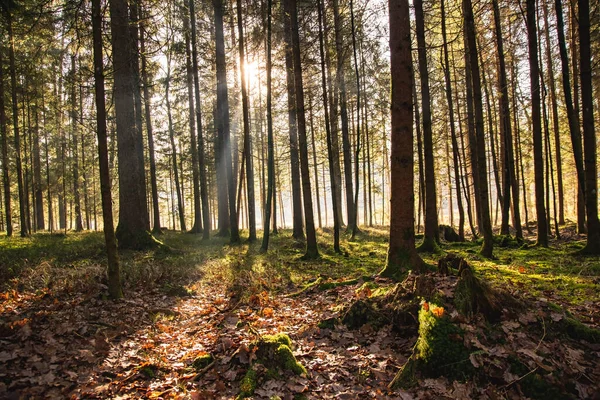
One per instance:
(449, 234)
(202, 361)
(328, 323)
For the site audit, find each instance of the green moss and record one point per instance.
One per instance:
(288, 360)
(440, 348)
(248, 384)
(279, 338)
(328, 323)
(577, 331)
(202, 361)
(275, 352)
(406, 377)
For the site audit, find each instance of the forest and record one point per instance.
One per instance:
(350, 199)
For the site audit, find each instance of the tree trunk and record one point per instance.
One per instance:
(297, 216)
(478, 148)
(311, 238)
(247, 139)
(330, 150)
(589, 133)
(509, 179)
(114, 277)
(542, 228)
(270, 145)
(223, 126)
(402, 255)
(201, 155)
(156, 229)
(75, 150)
(555, 119)
(15, 112)
(455, 150)
(315, 167)
(431, 237)
(357, 151)
(341, 83)
(37, 174)
(5, 168)
(132, 230)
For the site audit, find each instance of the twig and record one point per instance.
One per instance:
(522, 377)
(202, 371)
(543, 336)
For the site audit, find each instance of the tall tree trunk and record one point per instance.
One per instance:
(589, 133)
(357, 151)
(270, 145)
(581, 204)
(333, 107)
(297, 216)
(114, 276)
(247, 139)
(509, 179)
(455, 150)
(201, 155)
(15, 112)
(402, 255)
(75, 151)
(197, 225)
(315, 167)
(330, 150)
(134, 224)
(555, 118)
(4, 142)
(478, 147)
(421, 189)
(311, 238)
(431, 237)
(175, 165)
(341, 83)
(156, 229)
(542, 227)
(37, 174)
(223, 125)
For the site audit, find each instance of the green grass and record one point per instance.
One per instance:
(77, 261)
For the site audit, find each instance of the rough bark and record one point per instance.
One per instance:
(542, 227)
(402, 254)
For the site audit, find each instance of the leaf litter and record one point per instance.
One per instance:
(145, 346)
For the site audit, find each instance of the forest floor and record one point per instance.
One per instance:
(193, 310)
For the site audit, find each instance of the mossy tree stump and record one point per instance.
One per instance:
(274, 353)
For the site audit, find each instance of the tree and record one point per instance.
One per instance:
(431, 237)
(198, 109)
(297, 215)
(542, 223)
(247, 141)
(402, 254)
(15, 118)
(134, 225)
(455, 149)
(156, 229)
(477, 139)
(224, 162)
(341, 84)
(509, 178)
(270, 145)
(114, 276)
(330, 150)
(4, 143)
(589, 133)
(311, 238)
